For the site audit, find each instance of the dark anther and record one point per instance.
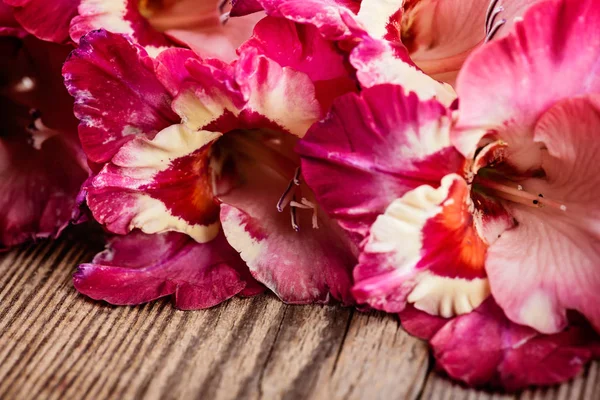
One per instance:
(535, 202)
(540, 195)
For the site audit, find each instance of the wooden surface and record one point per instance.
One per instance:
(56, 344)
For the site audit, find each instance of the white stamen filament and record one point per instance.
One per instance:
(494, 29)
(491, 25)
(307, 205)
(223, 18)
(285, 197)
(518, 195)
(295, 225)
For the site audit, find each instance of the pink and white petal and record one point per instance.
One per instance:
(376, 16)
(38, 189)
(211, 100)
(424, 250)
(302, 48)
(170, 68)
(117, 95)
(138, 268)
(281, 95)
(117, 16)
(378, 62)
(371, 149)
(46, 20)
(554, 252)
(512, 70)
(484, 348)
(306, 266)
(325, 15)
(159, 185)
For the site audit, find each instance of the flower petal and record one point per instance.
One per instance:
(372, 149)
(282, 95)
(554, 254)
(254, 92)
(170, 68)
(540, 49)
(117, 95)
(41, 163)
(245, 7)
(216, 39)
(486, 348)
(377, 62)
(47, 20)
(138, 268)
(302, 48)
(158, 185)
(325, 15)
(38, 188)
(8, 24)
(424, 250)
(117, 16)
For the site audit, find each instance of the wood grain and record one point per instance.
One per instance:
(56, 344)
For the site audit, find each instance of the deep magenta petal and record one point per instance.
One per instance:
(117, 95)
(46, 20)
(138, 268)
(8, 24)
(245, 7)
(41, 163)
(38, 189)
(484, 348)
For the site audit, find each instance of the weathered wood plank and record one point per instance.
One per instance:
(56, 344)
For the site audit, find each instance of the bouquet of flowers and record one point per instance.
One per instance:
(434, 159)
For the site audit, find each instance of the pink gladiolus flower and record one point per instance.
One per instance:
(200, 147)
(41, 164)
(501, 202)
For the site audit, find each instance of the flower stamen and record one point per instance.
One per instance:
(293, 216)
(285, 197)
(307, 205)
(519, 195)
(491, 25)
(223, 15)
